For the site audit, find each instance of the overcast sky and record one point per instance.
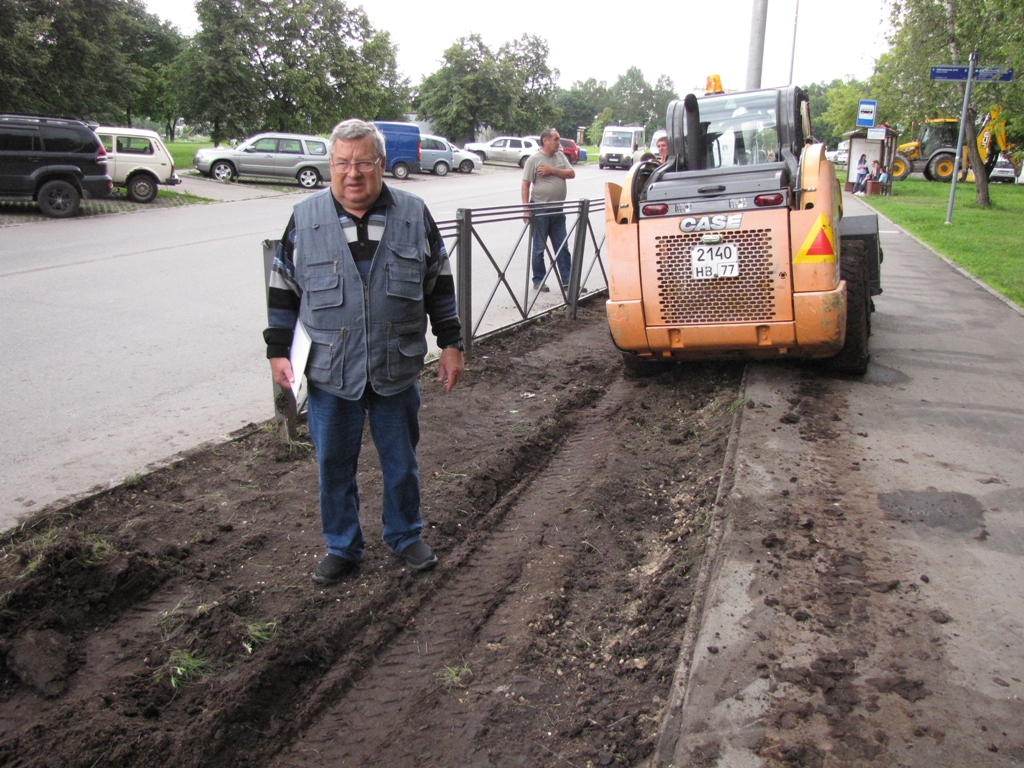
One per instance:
(692, 40)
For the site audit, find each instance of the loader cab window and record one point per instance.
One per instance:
(740, 129)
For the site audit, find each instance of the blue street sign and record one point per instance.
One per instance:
(992, 75)
(866, 114)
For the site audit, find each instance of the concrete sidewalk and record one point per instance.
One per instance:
(865, 604)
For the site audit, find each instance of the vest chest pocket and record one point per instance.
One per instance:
(405, 272)
(324, 296)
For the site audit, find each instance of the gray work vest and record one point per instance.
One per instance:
(377, 331)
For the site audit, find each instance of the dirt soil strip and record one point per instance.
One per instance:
(172, 621)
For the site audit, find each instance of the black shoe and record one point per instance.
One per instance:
(333, 569)
(541, 287)
(418, 556)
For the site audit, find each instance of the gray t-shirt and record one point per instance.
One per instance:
(545, 189)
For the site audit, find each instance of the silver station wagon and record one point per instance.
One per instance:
(269, 155)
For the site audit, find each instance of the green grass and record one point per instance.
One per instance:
(985, 242)
(182, 152)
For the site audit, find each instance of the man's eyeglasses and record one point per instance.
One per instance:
(363, 166)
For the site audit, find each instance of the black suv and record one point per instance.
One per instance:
(55, 161)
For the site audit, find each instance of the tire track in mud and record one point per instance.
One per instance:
(516, 571)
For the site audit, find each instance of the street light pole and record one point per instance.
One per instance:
(792, 58)
(755, 52)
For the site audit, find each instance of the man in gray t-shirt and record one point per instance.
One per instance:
(544, 177)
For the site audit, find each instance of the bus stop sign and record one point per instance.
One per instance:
(866, 114)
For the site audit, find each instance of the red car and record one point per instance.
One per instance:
(570, 150)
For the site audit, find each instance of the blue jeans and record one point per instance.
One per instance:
(336, 426)
(549, 226)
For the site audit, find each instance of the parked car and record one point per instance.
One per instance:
(53, 161)
(403, 143)
(436, 154)
(137, 161)
(570, 150)
(583, 155)
(269, 155)
(1003, 171)
(505, 149)
(465, 161)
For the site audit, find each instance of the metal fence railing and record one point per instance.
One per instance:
(490, 250)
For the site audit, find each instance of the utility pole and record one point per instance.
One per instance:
(792, 58)
(755, 53)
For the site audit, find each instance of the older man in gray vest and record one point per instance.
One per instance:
(363, 267)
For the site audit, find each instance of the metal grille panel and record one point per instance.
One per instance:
(751, 297)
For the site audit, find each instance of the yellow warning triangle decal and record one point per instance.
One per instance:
(819, 245)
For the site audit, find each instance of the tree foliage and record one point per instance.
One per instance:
(280, 65)
(82, 58)
(511, 91)
(634, 101)
(580, 105)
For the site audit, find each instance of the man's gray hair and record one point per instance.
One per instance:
(355, 129)
(546, 133)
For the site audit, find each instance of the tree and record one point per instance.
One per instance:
(932, 32)
(579, 105)
(596, 129)
(843, 98)
(817, 97)
(150, 47)
(466, 93)
(636, 102)
(217, 80)
(524, 71)
(50, 51)
(320, 61)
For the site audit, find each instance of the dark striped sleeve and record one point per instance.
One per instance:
(439, 288)
(283, 297)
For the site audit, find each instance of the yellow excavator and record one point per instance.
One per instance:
(934, 152)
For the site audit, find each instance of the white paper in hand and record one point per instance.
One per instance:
(299, 356)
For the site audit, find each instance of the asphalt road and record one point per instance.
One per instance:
(131, 337)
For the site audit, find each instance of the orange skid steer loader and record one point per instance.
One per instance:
(736, 246)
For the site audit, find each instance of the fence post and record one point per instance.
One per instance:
(464, 275)
(578, 247)
(285, 412)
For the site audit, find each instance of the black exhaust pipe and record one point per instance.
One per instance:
(694, 143)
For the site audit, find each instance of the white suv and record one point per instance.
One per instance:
(505, 149)
(137, 161)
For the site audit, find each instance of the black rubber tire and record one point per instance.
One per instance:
(639, 367)
(522, 161)
(852, 359)
(58, 199)
(222, 170)
(141, 188)
(441, 168)
(466, 166)
(400, 171)
(308, 178)
(901, 167)
(941, 167)
(481, 155)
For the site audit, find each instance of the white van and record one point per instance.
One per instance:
(621, 146)
(137, 161)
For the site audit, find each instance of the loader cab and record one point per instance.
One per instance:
(939, 133)
(740, 149)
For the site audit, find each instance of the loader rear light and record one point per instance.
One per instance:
(767, 201)
(655, 209)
